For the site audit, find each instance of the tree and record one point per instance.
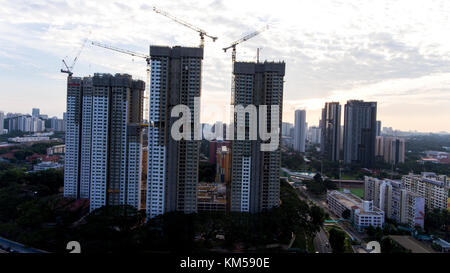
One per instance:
(370, 230)
(346, 214)
(337, 240)
(317, 215)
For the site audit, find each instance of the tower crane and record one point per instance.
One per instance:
(69, 69)
(243, 39)
(199, 30)
(134, 54)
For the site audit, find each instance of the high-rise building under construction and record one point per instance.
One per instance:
(255, 179)
(175, 75)
(104, 139)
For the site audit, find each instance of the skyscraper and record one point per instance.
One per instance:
(314, 134)
(300, 131)
(104, 139)
(392, 149)
(255, 183)
(286, 129)
(378, 128)
(64, 121)
(2, 120)
(35, 113)
(172, 165)
(360, 122)
(57, 124)
(331, 131)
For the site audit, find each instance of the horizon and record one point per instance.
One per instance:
(391, 53)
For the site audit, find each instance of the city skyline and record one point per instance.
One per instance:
(376, 52)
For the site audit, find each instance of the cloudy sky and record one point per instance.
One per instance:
(394, 52)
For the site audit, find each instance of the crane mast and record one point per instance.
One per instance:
(201, 32)
(243, 39)
(69, 69)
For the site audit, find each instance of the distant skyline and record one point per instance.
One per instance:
(394, 52)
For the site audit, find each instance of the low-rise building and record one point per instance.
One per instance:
(362, 213)
(58, 149)
(46, 166)
(28, 139)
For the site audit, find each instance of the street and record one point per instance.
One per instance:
(321, 243)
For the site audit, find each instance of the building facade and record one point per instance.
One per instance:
(360, 122)
(362, 212)
(35, 113)
(433, 188)
(104, 139)
(398, 203)
(300, 131)
(331, 131)
(57, 124)
(2, 121)
(314, 134)
(286, 129)
(255, 184)
(26, 123)
(175, 75)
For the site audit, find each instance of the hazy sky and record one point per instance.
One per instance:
(394, 52)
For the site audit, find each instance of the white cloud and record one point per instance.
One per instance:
(334, 50)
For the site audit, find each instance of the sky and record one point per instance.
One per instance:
(394, 52)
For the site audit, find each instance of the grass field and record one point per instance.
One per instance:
(357, 192)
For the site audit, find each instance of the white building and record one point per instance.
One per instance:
(104, 140)
(314, 134)
(26, 124)
(28, 139)
(430, 186)
(300, 131)
(362, 213)
(398, 203)
(57, 124)
(58, 149)
(46, 166)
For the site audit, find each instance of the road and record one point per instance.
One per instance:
(17, 247)
(321, 243)
(344, 226)
(321, 239)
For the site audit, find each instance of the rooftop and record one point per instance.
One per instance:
(351, 201)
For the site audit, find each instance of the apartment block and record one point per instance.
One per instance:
(314, 134)
(398, 203)
(331, 131)
(360, 122)
(430, 186)
(300, 129)
(255, 179)
(104, 139)
(175, 79)
(391, 149)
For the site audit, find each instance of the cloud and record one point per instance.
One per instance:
(380, 50)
